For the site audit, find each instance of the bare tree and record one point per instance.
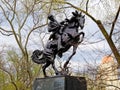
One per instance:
(16, 15)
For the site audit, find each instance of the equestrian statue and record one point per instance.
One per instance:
(64, 35)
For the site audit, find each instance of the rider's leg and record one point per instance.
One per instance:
(60, 42)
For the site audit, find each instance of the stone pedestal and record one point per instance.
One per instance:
(60, 83)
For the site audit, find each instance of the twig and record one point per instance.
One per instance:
(113, 24)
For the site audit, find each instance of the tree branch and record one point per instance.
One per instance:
(115, 20)
(79, 9)
(6, 34)
(12, 28)
(87, 5)
(31, 32)
(11, 77)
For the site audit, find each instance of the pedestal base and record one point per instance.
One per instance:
(60, 83)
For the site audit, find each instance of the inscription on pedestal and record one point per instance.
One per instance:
(60, 83)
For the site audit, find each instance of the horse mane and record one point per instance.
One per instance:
(72, 19)
(72, 22)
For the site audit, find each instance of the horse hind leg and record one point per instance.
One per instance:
(44, 68)
(74, 51)
(55, 69)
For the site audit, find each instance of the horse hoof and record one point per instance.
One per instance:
(46, 76)
(58, 73)
(60, 55)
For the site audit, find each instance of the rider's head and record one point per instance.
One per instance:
(51, 17)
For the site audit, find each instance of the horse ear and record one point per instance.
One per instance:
(83, 16)
(74, 13)
(80, 13)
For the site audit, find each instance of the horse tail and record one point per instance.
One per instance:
(37, 57)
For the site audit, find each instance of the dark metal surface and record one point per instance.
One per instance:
(60, 83)
(64, 35)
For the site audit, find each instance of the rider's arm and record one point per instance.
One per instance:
(52, 26)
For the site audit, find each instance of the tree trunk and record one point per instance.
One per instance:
(110, 41)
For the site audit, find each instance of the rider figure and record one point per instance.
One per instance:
(56, 29)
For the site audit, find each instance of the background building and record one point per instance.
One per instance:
(108, 75)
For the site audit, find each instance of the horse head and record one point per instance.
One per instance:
(78, 18)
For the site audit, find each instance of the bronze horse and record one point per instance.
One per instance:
(70, 37)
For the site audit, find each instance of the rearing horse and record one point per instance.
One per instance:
(70, 37)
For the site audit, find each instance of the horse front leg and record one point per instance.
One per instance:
(81, 36)
(55, 69)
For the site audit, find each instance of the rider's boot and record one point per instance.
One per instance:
(60, 55)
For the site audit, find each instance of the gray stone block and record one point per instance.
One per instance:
(60, 83)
